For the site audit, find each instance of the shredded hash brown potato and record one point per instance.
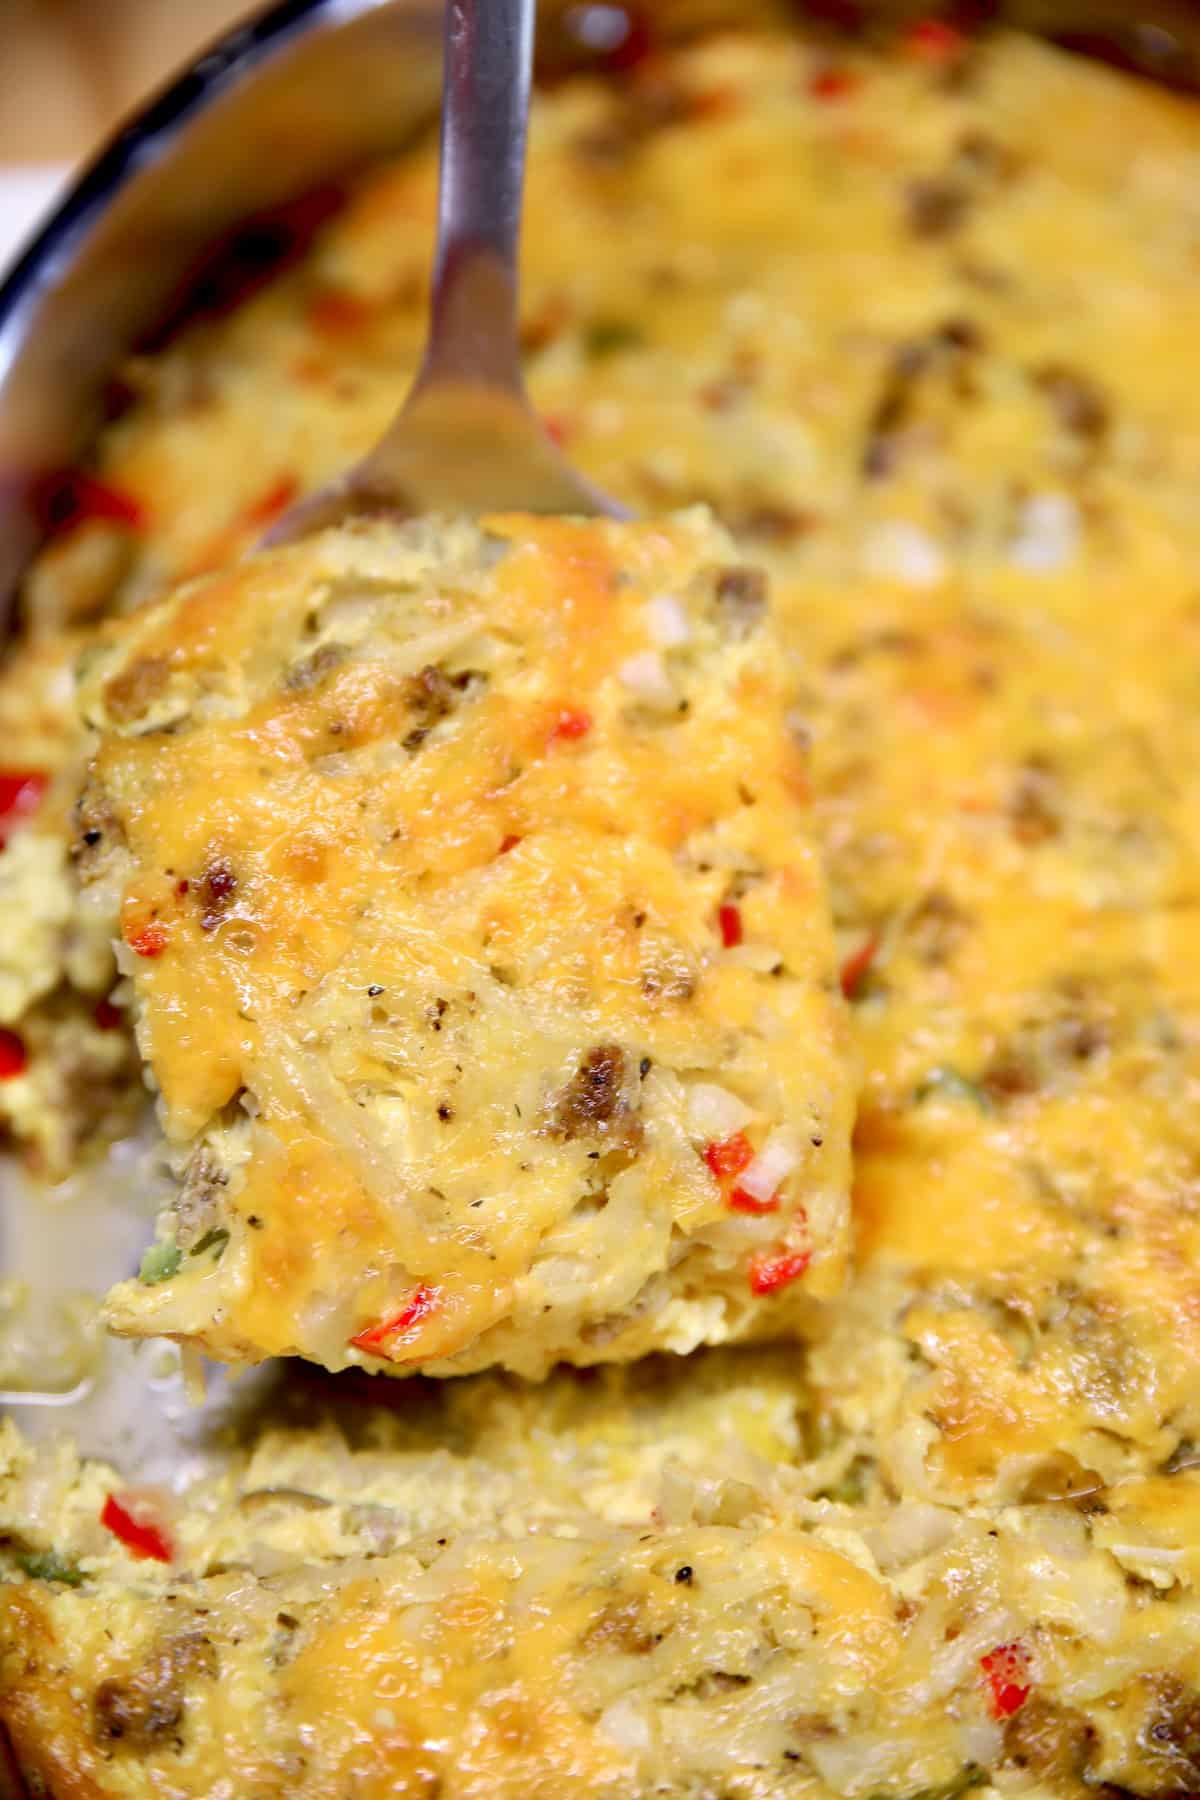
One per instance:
(919, 325)
(480, 950)
(642, 1585)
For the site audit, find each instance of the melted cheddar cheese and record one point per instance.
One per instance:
(642, 1583)
(464, 882)
(919, 324)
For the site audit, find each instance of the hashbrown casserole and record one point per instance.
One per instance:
(479, 948)
(917, 324)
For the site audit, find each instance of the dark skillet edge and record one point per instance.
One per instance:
(117, 253)
(165, 113)
(54, 250)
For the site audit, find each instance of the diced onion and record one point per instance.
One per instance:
(912, 1530)
(602, 28)
(645, 675)
(1047, 534)
(715, 1114)
(1148, 1553)
(1150, 1562)
(900, 551)
(667, 621)
(762, 958)
(127, 962)
(774, 1163)
(982, 1741)
(624, 1723)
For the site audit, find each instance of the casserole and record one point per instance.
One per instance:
(964, 1519)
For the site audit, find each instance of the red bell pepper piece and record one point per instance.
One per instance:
(775, 1269)
(380, 1338)
(730, 1156)
(140, 1536)
(1006, 1673)
(572, 722)
(21, 793)
(729, 924)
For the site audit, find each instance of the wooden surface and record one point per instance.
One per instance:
(71, 68)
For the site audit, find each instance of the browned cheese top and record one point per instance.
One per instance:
(480, 944)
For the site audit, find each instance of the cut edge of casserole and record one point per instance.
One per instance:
(480, 948)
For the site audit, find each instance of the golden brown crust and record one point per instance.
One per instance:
(619, 1586)
(472, 917)
(935, 363)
